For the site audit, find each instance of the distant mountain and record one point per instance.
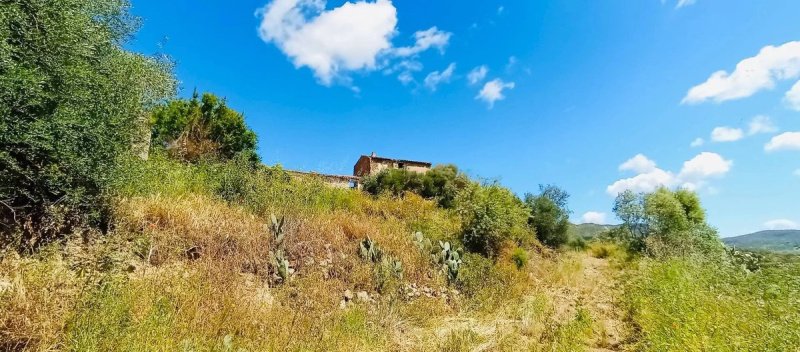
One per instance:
(588, 231)
(771, 240)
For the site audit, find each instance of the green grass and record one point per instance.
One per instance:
(686, 305)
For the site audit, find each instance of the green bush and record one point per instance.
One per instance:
(520, 257)
(72, 101)
(491, 215)
(549, 215)
(666, 223)
(200, 128)
(441, 183)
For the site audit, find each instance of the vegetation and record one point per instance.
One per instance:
(549, 215)
(442, 183)
(492, 216)
(202, 128)
(72, 102)
(769, 240)
(690, 305)
(201, 247)
(665, 223)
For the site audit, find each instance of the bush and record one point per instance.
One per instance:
(665, 223)
(549, 215)
(491, 215)
(577, 243)
(200, 128)
(71, 102)
(441, 183)
(520, 257)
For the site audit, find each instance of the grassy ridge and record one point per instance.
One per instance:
(185, 267)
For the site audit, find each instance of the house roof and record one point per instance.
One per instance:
(380, 158)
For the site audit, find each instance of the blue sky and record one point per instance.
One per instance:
(595, 96)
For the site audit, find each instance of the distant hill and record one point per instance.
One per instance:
(588, 231)
(771, 240)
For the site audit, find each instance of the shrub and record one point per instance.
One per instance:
(491, 215)
(665, 223)
(441, 183)
(71, 102)
(577, 243)
(549, 215)
(200, 128)
(520, 257)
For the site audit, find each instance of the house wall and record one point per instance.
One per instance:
(362, 167)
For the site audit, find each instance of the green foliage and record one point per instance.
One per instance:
(449, 258)
(549, 215)
(370, 251)
(520, 257)
(194, 129)
(665, 223)
(441, 183)
(279, 263)
(72, 101)
(685, 304)
(577, 243)
(387, 269)
(490, 216)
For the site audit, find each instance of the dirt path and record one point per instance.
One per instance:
(546, 319)
(600, 293)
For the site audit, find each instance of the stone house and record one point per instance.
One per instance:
(368, 165)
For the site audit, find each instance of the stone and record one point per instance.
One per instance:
(348, 295)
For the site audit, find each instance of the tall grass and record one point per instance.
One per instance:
(694, 305)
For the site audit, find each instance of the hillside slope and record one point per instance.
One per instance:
(770, 240)
(587, 231)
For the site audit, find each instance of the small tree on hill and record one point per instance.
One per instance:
(549, 215)
(206, 127)
(666, 222)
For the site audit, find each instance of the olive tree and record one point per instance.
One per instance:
(73, 101)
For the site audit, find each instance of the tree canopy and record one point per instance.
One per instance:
(665, 222)
(202, 127)
(549, 215)
(72, 101)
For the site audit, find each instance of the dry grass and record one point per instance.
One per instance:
(139, 290)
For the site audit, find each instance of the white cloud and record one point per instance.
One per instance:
(639, 164)
(405, 77)
(492, 91)
(793, 97)
(781, 224)
(500, 9)
(435, 78)
(429, 38)
(797, 172)
(751, 75)
(761, 124)
(594, 217)
(784, 141)
(512, 62)
(697, 142)
(726, 134)
(477, 74)
(694, 174)
(355, 36)
(703, 166)
(682, 3)
(646, 182)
